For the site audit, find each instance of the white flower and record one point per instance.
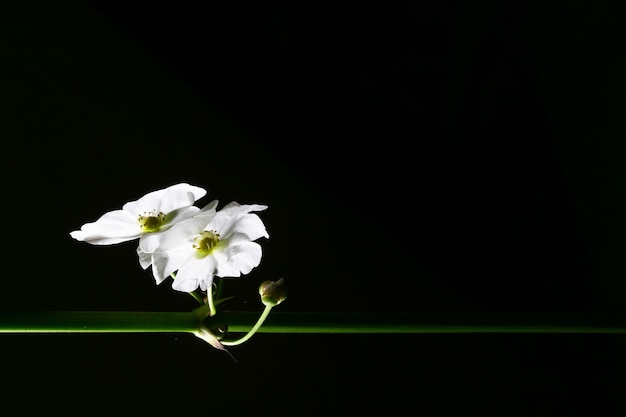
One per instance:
(208, 245)
(153, 213)
(152, 243)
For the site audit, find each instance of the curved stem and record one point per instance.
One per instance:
(252, 331)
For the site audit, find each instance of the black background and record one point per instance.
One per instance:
(429, 157)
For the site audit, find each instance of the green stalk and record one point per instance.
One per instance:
(97, 322)
(282, 322)
(251, 332)
(288, 322)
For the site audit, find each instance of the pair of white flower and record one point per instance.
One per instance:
(197, 244)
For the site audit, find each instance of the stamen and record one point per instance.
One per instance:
(206, 241)
(151, 221)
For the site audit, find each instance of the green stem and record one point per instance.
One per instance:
(98, 322)
(209, 296)
(284, 322)
(198, 297)
(287, 322)
(252, 331)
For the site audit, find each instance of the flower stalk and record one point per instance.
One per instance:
(426, 323)
(307, 322)
(251, 332)
(98, 322)
(272, 293)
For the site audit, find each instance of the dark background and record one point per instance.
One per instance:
(431, 157)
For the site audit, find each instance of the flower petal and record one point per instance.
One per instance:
(241, 257)
(210, 207)
(166, 200)
(165, 263)
(179, 215)
(112, 227)
(180, 195)
(145, 259)
(251, 226)
(226, 221)
(195, 272)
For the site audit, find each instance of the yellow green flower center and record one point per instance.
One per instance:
(151, 221)
(206, 241)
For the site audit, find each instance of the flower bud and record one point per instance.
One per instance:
(273, 292)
